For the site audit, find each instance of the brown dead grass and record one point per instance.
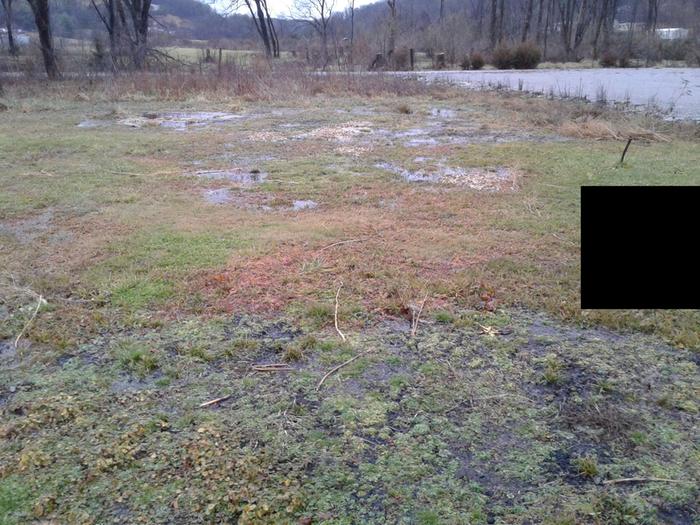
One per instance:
(600, 129)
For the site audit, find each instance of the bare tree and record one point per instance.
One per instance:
(42, 19)
(576, 16)
(528, 19)
(111, 13)
(318, 14)
(392, 28)
(9, 21)
(139, 12)
(263, 22)
(352, 30)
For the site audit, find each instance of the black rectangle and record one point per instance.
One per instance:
(640, 247)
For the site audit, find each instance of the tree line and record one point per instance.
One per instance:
(337, 33)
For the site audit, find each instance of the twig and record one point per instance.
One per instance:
(567, 241)
(644, 480)
(273, 367)
(216, 401)
(334, 370)
(416, 317)
(39, 303)
(337, 329)
(349, 241)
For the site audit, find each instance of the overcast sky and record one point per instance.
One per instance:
(282, 7)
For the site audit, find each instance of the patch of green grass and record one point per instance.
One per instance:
(444, 317)
(553, 371)
(140, 293)
(15, 501)
(587, 467)
(136, 357)
(172, 251)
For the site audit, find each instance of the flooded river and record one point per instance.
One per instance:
(672, 90)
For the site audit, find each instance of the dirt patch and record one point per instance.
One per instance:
(342, 133)
(29, 229)
(481, 179)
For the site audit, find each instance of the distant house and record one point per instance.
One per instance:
(672, 33)
(22, 39)
(626, 27)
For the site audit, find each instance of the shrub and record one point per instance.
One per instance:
(608, 59)
(623, 61)
(526, 56)
(502, 57)
(401, 59)
(465, 63)
(477, 61)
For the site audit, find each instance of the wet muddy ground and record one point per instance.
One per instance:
(201, 258)
(494, 418)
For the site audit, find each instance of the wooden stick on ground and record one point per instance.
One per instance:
(340, 243)
(337, 329)
(39, 303)
(334, 370)
(644, 480)
(216, 401)
(273, 367)
(416, 317)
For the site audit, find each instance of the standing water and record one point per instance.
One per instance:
(675, 91)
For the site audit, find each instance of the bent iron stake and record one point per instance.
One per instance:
(622, 159)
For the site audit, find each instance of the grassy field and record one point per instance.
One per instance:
(428, 243)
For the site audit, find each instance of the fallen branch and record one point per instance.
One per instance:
(337, 329)
(40, 301)
(273, 367)
(340, 243)
(416, 316)
(334, 370)
(645, 480)
(216, 401)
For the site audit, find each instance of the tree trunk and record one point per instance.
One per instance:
(501, 19)
(528, 17)
(42, 19)
(273, 32)
(14, 50)
(139, 11)
(493, 24)
(352, 32)
(540, 11)
(264, 33)
(392, 28)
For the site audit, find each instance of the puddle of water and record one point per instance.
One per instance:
(181, 120)
(443, 113)
(236, 176)
(219, 196)
(482, 179)
(669, 88)
(304, 205)
(173, 120)
(93, 123)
